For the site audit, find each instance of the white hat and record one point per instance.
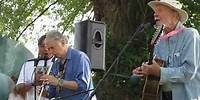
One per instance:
(173, 4)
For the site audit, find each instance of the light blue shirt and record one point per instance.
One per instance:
(78, 68)
(182, 55)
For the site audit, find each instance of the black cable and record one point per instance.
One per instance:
(36, 19)
(68, 96)
(35, 65)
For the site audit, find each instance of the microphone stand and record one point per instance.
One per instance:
(140, 29)
(35, 66)
(36, 61)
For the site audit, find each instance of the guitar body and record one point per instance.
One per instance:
(151, 85)
(151, 88)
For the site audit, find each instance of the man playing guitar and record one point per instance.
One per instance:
(179, 47)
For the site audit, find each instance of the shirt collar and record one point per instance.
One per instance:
(179, 25)
(178, 29)
(69, 53)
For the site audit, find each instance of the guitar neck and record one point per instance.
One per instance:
(150, 60)
(153, 42)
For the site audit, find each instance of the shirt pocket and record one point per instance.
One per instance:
(177, 58)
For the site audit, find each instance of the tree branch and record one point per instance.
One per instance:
(36, 19)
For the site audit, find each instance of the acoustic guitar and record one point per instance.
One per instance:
(151, 85)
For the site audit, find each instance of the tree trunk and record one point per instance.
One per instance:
(122, 18)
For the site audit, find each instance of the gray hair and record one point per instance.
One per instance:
(56, 35)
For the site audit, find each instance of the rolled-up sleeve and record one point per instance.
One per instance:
(83, 75)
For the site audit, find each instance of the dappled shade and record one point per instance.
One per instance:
(13, 55)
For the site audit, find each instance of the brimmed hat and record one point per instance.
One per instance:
(173, 4)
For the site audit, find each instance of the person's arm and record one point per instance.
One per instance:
(68, 84)
(81, 80)
(56, 82)
(83, 76)
(190, 57)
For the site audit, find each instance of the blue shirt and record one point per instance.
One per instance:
(78, 68)
(182, 55)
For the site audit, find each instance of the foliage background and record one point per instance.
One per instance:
(122, 18)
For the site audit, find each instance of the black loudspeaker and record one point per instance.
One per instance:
(90, 38)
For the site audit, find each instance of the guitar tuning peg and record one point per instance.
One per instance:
(158, 26)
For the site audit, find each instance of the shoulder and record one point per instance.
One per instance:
(29, 63)
(191, 32)
(79, 56)
(78, 53)
(190, 36)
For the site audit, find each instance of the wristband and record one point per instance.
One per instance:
(60, 83)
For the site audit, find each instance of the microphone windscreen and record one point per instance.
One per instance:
(149, 24)
(134, 80)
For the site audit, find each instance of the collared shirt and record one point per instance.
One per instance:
(182, 55)
(27, 76)
(78, 68)
(27, 71)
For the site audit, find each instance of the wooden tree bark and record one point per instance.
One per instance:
(122, 17)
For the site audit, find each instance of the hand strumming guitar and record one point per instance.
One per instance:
(145, 69)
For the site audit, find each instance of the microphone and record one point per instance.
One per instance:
(37, 59)
(147, 25)
(134, 79)
(144, 26)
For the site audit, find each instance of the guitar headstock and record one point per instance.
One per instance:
(157, 34)
(153, 42)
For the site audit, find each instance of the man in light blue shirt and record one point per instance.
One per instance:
(71, 75)
(179, 47)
